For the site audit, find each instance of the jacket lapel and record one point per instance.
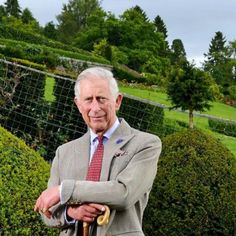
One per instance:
(82, 156)
(113, 147)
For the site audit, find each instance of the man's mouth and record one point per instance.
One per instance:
(96, 117)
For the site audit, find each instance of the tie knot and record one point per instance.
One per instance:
(100, 139)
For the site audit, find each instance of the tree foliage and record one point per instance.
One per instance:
(12, 8)
(160, 26)
(27, 16)
(50, 30)
(190, 89)
(218, 62)
(178, 54)
(74, 16)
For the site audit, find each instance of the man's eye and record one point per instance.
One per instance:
(101, 99)
(88, 99)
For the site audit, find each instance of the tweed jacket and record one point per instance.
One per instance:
(128, 171)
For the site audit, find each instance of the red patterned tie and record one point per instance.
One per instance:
(95, 166)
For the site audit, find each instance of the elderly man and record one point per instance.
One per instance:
(111, 165)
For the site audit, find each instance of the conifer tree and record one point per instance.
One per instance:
(50, 30)
(178, 54)
(13, 8)
(2, 12)
(191, 89)
(27, 16)
(218, 52)
(160, 26)
(218, 62)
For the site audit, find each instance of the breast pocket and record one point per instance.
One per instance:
(118, 164)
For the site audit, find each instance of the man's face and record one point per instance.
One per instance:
(96, 104)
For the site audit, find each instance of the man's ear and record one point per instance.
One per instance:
(118, 101)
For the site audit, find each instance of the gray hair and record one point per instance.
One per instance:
(97, 72)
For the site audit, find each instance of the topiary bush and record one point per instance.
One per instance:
(23, 175)
(194, 192)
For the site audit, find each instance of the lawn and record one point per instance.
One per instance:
(218, 110)
(48, 92)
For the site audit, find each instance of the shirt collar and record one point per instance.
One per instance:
(107, 134)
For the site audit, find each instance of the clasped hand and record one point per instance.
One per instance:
(46, 200)
(51, 196)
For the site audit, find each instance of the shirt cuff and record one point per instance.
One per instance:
(68, 220)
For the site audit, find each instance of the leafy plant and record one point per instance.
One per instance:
(23, 175)
(195, 188)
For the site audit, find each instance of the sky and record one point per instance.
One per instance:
(195, 22)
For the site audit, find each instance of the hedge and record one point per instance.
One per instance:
(30, 51)
(225, 127)
(23, 175)
(141, 115)
(195, 188)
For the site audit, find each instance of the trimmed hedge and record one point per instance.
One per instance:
(28, 63)
(224, 127)
(23, 175)
(142, 116)
(30, 37)
(35, 51)
(122, 72)
(195, 188)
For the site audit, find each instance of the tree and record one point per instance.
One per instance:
(218, 52)
(13, 8)
(27, 16)
(50, 30)
(190, 89)
(2, 12)
(93, 33)
(218, 62)
(160, 26)
(139, 40)
(178, 54)
(74, 17)
(135, 14)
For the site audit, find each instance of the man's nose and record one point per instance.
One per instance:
(95, 105)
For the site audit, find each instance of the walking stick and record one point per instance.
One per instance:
(101, 220)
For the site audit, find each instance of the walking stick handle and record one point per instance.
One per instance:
(101, 220)
(104, 218)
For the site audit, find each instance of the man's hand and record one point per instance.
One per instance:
(86, 212)
(47, 199)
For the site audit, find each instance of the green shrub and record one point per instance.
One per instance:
(10, 51)
(224, 127)
(170, 126)
(28, 63)
(47, 58)
(122, 72)
(195, 188)
(23, 175)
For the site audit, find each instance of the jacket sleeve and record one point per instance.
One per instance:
(58, 211)
(130, 184)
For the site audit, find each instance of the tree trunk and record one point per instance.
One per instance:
(190, 119)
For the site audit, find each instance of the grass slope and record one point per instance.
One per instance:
(218, 110)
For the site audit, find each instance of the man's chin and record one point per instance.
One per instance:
(97, 128)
